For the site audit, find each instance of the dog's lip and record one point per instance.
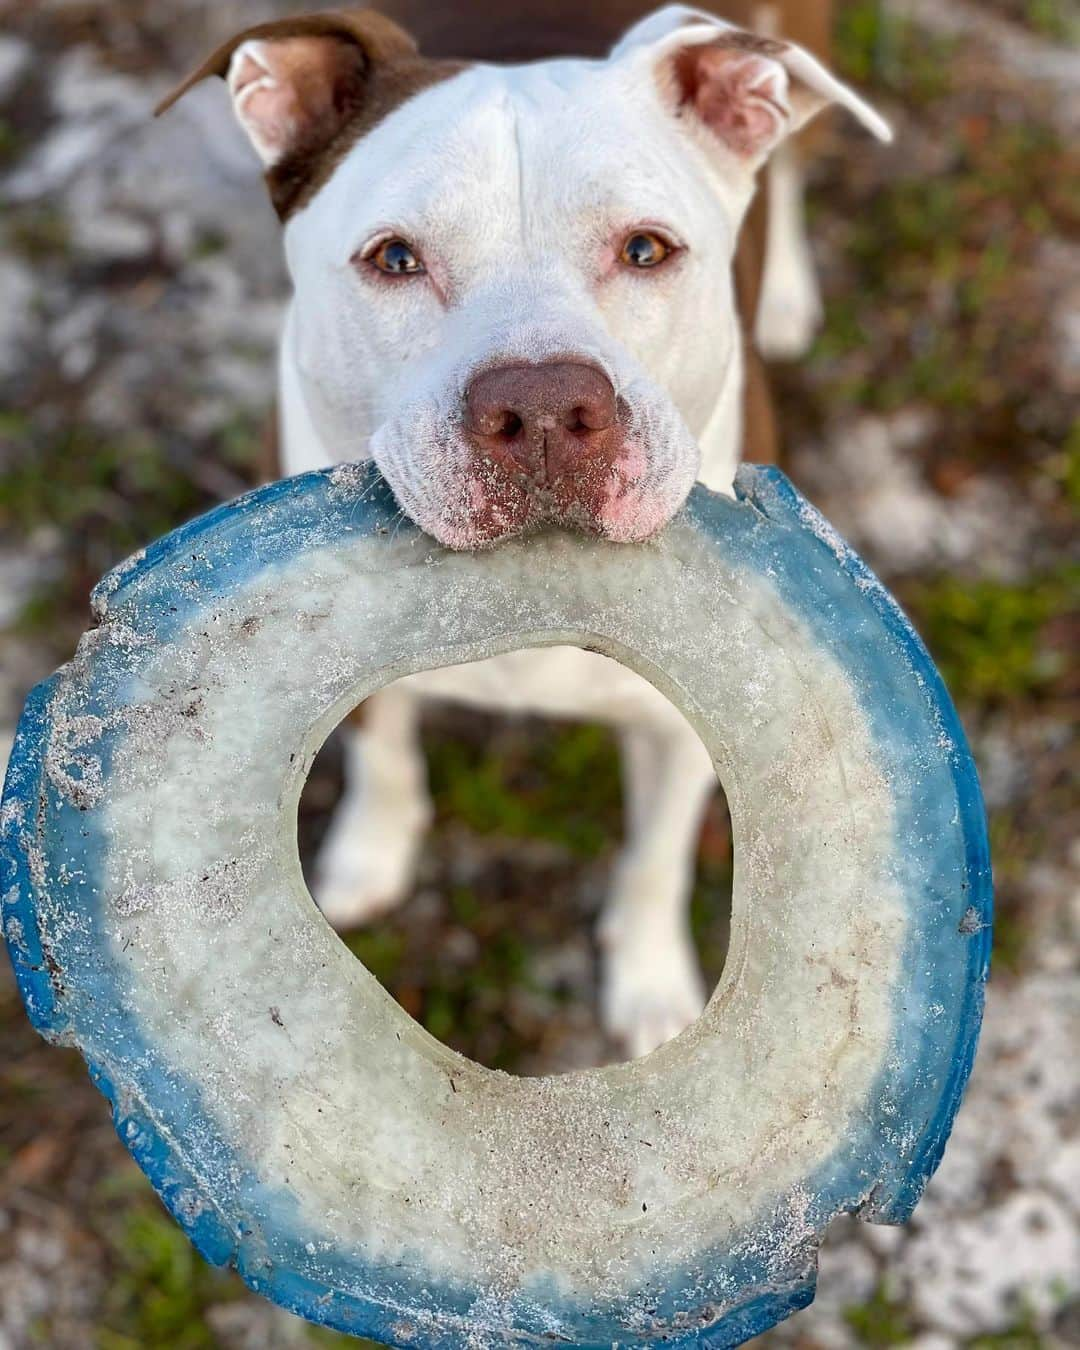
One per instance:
(537, 511)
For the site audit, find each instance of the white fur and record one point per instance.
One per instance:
(515, 183)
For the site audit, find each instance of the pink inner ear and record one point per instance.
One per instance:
(741, 97)
(286, 90)
(266, 108)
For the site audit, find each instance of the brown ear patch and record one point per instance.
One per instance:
(370, 67)
(298, 177)
(739, 41)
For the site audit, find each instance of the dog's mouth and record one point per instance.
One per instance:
(619, 502)
(471, 487)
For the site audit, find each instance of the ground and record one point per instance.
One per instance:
(140, 284)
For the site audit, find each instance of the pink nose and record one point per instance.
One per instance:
(556, 421)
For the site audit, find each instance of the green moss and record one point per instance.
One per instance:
(158, 1288)
(1054, 19)
(872, 46)
(881, 1321)
(107, 496)
(989, 637)
(1015, 843)
(380, 949)
(10, 143)
(39, 233)
(1069, 465)
(1023, 1334)
(563, 788)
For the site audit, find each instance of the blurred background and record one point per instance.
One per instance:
(935, 424)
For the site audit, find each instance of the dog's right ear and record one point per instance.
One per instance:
(298, 84)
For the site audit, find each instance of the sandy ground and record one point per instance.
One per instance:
(140, 287)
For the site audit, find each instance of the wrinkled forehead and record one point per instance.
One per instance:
(512, 155)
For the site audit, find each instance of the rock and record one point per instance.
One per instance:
(986, 1272)
(17, 318)
(15, 58)
(870, 484)
(95, 108)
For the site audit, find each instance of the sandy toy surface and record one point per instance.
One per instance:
(299, 1124)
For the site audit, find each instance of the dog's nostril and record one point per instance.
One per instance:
(594, 415)
(498, 423)
(576, 421)
(512, 426)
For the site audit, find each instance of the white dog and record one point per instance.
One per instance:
(513, 289)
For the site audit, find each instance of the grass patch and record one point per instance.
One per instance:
(39, 234)
(380, 949)
(159, 1288)
(1024, 1334)
(989, 638)
(562, 788)
(10, 143)
(1066, 466)
(938, 307)
(78, 481)
(1016, 841)
(874, 47)
(881, 1321)
(108, 496)
(1055, 20)
(460, 1005)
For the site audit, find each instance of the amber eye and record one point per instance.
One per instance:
(644, 249)
(396, 258)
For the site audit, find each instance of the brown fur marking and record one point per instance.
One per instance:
(750, 42)
(296, 178)
(386, 73)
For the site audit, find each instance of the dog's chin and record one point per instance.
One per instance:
(628, 516)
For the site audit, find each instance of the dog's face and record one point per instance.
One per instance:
(519, 289)
(513, 285)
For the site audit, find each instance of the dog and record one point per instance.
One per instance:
(514, 289)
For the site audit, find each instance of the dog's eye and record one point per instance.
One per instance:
(644, 249)
(396, 258)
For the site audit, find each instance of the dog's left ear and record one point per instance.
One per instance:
(750, 91)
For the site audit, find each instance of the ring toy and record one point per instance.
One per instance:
(300, 1125)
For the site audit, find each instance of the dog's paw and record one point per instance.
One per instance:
(350, 899)
(366, 867)
(651, 988)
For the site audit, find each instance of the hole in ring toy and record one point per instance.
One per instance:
(300, 1125)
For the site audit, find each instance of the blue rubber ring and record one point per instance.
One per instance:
(80, 930)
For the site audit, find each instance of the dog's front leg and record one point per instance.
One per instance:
(651, 985)
(366, 863)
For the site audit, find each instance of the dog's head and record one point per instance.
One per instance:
(513, 284)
